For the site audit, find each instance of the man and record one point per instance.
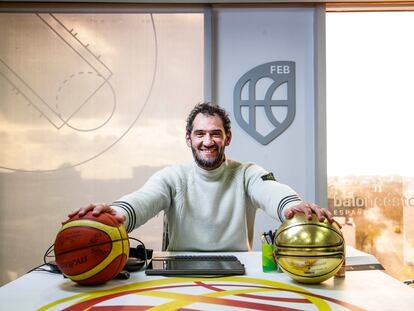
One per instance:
(210, 203)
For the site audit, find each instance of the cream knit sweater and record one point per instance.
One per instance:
(208, 210)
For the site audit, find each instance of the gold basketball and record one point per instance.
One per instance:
(309, 251)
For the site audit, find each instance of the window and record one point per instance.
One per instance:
(369, 121)
(91, 106)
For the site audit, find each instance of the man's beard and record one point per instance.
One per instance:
(208, 164)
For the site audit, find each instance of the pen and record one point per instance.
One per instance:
(271, 236)
(268, 239)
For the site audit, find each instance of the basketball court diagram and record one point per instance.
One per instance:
(57, 114)
(69, 90)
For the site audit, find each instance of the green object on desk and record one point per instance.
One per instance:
(268, 260)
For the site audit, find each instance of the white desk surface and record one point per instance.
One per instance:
(359, 290)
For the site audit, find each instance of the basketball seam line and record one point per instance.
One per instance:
(310, 224)
(308, 246)
(124, 251)
(316, 276)
(119, 263)
(311, 256)
(89, 246)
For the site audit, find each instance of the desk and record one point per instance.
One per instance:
(359, 290)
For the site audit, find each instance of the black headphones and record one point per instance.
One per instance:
(138, 258)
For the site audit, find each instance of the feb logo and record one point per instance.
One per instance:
(264, 100)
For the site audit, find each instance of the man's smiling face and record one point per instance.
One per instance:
(208, 140)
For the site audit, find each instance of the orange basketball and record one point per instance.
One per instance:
(91, 250)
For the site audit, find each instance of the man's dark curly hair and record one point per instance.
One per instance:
(211, 110)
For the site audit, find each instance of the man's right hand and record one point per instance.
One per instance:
(96, 210)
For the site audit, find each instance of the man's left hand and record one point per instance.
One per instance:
(308, 208)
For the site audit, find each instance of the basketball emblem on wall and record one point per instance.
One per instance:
(264, 100)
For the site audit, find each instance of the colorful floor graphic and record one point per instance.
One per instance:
(201, 294)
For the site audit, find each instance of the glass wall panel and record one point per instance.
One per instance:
(91, 106)
(370, 107)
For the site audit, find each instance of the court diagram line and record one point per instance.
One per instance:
(83, 92)
(74, 43)
(45, 108)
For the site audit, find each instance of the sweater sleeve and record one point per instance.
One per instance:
(145, 203)
(267, 193)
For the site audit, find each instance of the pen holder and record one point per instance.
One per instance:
(268, 260)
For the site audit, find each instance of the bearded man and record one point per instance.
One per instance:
(211, 202)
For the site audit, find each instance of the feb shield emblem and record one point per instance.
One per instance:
(270, 90)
